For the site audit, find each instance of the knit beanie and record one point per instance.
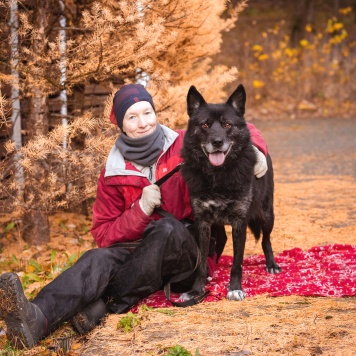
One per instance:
(125, 97)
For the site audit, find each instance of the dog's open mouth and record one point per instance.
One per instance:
(217, 158)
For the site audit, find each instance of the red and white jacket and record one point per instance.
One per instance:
(117, 216)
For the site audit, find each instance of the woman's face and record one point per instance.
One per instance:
(140, 120)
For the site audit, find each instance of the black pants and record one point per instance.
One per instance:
(119, 277)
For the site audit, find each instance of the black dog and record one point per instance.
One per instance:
(219, 163)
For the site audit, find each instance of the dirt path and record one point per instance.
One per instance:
(315, 184)
(315, 204)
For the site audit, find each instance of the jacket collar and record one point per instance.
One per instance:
(116, 165)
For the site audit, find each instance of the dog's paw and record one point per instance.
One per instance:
(274, 269)
(236, 295)
(185, 296)
(191, 294)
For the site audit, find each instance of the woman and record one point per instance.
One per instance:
(114, 277)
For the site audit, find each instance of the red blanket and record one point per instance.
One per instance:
(328, 271)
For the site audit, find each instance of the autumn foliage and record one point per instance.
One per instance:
(109, 42)
(168, 44)
(313, 74)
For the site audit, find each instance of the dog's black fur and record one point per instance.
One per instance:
(223, 188)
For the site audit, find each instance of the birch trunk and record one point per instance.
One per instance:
(15, 94)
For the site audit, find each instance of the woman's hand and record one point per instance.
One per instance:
(260, 168)
(150, 199)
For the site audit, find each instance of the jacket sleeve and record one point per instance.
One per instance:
(257, 139)
(112, 222)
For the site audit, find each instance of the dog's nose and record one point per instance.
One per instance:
(217, 142)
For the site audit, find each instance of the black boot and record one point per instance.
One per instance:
(25, 322)
(89, 317)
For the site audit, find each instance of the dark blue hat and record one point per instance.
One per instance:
(125, 97)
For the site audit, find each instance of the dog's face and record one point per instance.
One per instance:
(217, 130)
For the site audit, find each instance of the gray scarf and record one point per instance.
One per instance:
(143, 150)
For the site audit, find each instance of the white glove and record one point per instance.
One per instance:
(260, 168)
(150, 199)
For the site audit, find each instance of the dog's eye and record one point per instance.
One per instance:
(226, 125)
(205, 126)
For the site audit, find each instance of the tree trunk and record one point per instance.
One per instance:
(36, 227)
(35, 222)
(16, 135)
(303, 13)
(77, 100)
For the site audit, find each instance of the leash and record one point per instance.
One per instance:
(128, 245)
(160, 181)
(180, 277)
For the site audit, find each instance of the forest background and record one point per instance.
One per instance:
(62, 60)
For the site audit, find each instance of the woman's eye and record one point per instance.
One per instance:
(205, 126)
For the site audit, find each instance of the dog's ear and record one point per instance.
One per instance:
(238, 99)
(194, 100)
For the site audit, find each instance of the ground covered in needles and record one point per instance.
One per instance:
(314, 206)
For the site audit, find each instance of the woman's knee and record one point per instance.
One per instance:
(104, 255)
(172, 229)
(172, 234)
(170, 224)
(94, 254)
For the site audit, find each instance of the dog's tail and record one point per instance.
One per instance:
(255, 228)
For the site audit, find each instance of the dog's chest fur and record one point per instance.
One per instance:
(220, 195)
(222, 209)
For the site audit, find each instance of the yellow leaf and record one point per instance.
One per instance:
(338, 26)
(308, 28)
(304, 43)
(258, 84)
(30, 269)
(257, 48)
(76, 346)
(306, 105)
(263, 57)
(3, 341)
(345, 10)
(290, 52)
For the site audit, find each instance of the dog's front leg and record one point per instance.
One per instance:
(239, 240)
(203, 239)
(202, 233)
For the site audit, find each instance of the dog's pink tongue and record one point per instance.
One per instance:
(216, 158)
